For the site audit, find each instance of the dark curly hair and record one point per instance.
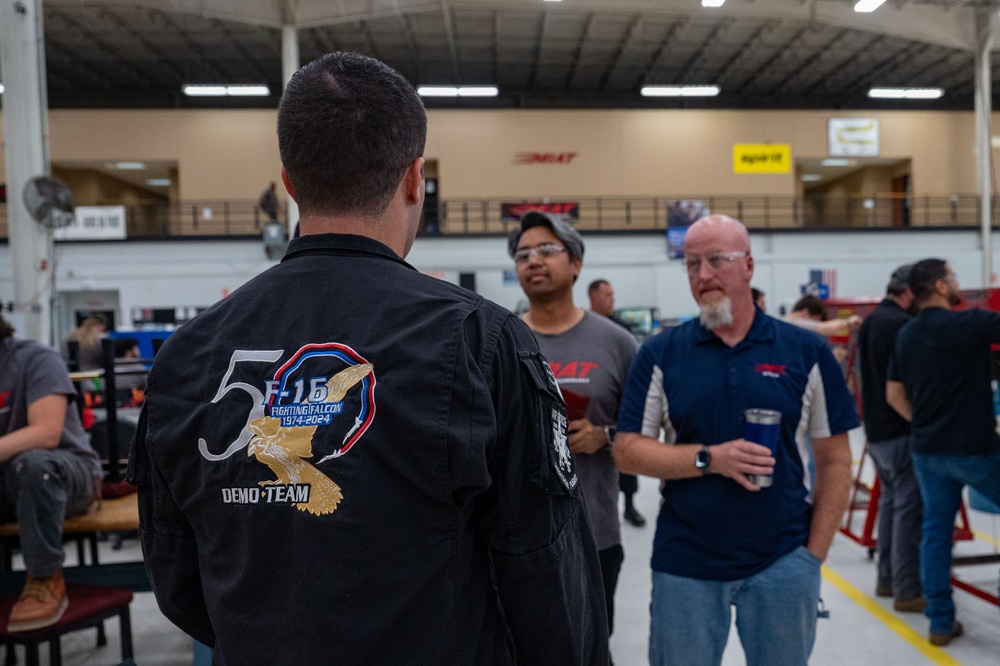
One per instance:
(6, 330)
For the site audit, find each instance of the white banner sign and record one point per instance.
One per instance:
(95, 223)
(853, 137)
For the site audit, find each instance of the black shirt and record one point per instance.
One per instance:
(943, 360)
(347, 461)
(876, 338)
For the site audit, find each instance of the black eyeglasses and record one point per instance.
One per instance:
(545, 251)
(715, 261)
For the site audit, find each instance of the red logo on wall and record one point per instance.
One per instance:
(567, 210)
(543, 158)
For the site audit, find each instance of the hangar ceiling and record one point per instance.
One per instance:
(568, 54)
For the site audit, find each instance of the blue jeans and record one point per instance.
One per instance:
(775, 615)
(899, 517)
(941, 479)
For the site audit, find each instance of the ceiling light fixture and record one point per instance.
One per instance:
(811, 177)
(837, 162)
(906, 93)
(680, 91)
(458, 91)
(866, 6)
(158, 182)
(1, 88)
(199, 90)
(130, 166)
(712, 3)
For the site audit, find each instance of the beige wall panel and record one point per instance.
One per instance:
(228, 155)
(86, 135)
(476, 153)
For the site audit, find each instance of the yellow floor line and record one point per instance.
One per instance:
(891, 620)
(982, 536)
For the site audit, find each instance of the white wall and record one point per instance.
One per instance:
(198, 273)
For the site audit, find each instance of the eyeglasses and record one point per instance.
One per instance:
(545, 251)
(715, 261)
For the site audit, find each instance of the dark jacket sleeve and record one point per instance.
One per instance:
(168, 543)
(534, 518)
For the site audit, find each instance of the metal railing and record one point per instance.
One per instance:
(484, 217)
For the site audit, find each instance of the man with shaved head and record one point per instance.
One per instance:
(725, 537)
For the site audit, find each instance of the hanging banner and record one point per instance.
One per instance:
(94, 223)
(853, 137)
(567, 210)
(762, 158)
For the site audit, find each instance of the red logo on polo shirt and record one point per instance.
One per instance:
(3, 399)
(770, 370)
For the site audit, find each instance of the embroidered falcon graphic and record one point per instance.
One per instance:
(285, 449)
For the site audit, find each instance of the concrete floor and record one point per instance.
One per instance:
(862, 629)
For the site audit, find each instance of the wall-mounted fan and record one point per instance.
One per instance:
(49, 201)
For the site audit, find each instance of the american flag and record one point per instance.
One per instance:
(826, 277)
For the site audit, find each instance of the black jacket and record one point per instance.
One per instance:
(346, 461)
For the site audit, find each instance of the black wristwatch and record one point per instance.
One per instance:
(703, 459)
(610, 431)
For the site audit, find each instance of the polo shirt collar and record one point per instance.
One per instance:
(761, 330)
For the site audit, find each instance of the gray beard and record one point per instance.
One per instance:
(716, 315)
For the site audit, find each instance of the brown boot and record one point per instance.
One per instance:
(914, 605)
(41, 604)
(945, 639)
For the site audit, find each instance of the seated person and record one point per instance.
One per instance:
(129, 375)
(47, 470)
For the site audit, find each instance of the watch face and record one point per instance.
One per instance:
(702, 458)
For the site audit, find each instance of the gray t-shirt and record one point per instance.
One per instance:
(593, 359)
(30, 371)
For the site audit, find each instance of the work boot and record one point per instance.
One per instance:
(914, 605)
(41, 604)
(634, 517)
(944, 639)
(883, 590)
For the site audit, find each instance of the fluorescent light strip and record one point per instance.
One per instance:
(197, 90)
(866, 6)
(1, 88)
(158, 182)
(130, 166)
(458, 91)
(712, 3)
(836, 162)
(680, 91)
(811, 177)
(906, 93)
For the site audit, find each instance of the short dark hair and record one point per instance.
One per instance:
(6, 330)
(124, 345)
(924, 275)
(348, 128)
(597, 284)
(811, 304)
(756, 293)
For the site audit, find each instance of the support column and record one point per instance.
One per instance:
(984, 149)
(26, 155)
(290, 65)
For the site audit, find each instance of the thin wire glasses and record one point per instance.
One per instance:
(545, 251)
(715, 261)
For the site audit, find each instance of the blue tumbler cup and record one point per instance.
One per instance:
(762, 426)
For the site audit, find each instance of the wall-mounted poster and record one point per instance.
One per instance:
(853, 137)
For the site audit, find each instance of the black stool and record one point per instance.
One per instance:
(89, 606)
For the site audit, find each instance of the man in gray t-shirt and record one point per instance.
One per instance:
(47, 470)
(590, 357)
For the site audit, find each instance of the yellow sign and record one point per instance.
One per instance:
(762, 158)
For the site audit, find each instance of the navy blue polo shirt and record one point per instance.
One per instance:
(693, 386)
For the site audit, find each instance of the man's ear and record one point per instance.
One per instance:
(288, 184)
(413, 182)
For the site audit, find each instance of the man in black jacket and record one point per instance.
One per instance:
(899, 506)
(348, 461)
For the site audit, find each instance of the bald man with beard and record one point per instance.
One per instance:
(722, 540)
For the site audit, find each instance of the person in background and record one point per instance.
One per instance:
(48, 470)
(888, 433)
(589, 358)
(759, 298)
(269, 202)
(809, 312)
(602, 302)
(88, 336)
(387, 443)
(939, 380)
(721, 539)
(129, 376)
